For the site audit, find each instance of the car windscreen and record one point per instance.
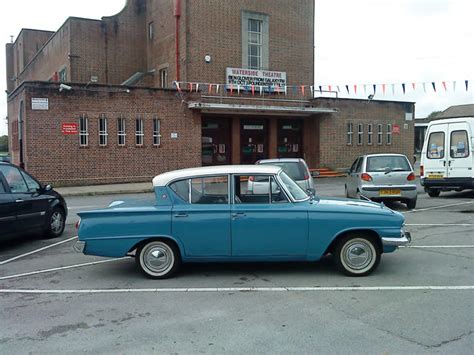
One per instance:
(387, 163)
(294, 170)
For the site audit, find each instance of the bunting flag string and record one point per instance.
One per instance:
(305, 90)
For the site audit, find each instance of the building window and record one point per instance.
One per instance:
(156, 132)
(83, 131)
(379, 134)
(389, 134)
(63, 75)
(139, 131)
(350, 133)
(360, 134)
(164, 78)
(103, 131)
(255, 44)
(369, 133)
(121, 131)
(255, 40)
(151, 31)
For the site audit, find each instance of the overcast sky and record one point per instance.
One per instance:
(363, 42)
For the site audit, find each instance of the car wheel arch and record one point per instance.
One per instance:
(363, 231)
(143, 242)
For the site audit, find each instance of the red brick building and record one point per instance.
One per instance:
(177, 83)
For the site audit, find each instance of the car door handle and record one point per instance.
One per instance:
(19, 200)
(181, 215)
(238, 214)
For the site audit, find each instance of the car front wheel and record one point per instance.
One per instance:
(158, 259)
(56, 223)
(357, 255)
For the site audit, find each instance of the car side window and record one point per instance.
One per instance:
(2, 188)
(353, 166)
(359, 165)
(181, 188)
(257, 189)
(32, 184)
(14, 179)
(210, 190)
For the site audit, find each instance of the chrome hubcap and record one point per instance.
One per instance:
(56, 222)
(157, 258)
(357, 255)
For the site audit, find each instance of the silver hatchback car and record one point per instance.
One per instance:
(382, 177)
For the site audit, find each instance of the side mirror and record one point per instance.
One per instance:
(47, 188)
(347, 171)
(314, 173)
(311, 192)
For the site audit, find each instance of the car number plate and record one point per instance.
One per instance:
(435, 176)
(390, 192)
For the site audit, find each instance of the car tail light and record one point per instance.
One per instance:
(411, 177)
(422, 170)
(78, 223)
(306, 177)
(366, 177)
(251, 178)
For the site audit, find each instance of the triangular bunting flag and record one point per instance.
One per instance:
(444, 85)
(413, 86)
(467, 84)
(375, 88)
(355, 89)
(434, 86)
(338, 88)
(329, 88)
(365, 89)
(197, 87)
(393, 89)
(217, 88)
(190, 87)
(383, 88)
(424, 87)
(320, 90)
(403, 88)
(347, 88)
(302, 90)
(454, 85)
(210, 89)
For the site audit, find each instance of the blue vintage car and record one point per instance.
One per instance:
(209, 214)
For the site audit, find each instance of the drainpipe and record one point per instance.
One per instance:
(177, 14)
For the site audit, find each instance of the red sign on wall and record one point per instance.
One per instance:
(70, 128)
(396, 129)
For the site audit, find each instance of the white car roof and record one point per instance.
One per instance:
(165, 178)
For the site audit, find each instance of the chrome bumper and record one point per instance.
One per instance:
(79, 246)
(404, 239)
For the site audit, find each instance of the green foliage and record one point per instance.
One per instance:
(434, 114)
(3, 143)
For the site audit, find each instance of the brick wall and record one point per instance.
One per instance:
(336, 153)
(57, 158)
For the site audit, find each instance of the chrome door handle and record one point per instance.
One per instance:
(238, 214)
(180, 215)
(19, 200)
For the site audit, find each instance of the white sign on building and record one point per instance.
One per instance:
(246, 77)
(38, 103)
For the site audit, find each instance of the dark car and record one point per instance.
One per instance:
(26, 206)
(5, 158)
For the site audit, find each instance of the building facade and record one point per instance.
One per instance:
(173, 84)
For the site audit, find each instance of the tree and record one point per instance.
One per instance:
(3, 143)
(434, 114)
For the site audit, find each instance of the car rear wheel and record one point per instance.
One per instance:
(433, 192)
(411, 204)
(56, 223)
(158, 259)
(357, 255)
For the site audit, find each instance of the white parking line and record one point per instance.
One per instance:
(244, 289)
(437, 246)
(60, 268)
(437, 207)
(441, 224)
(36, 251)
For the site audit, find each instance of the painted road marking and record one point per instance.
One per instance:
(244, 289)
(437, 207)
(441, 224)
(37, 250)
(61, 268)
(437, 246)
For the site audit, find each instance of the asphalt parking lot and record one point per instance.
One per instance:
(419, 300)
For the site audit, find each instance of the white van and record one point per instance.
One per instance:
(447, 161)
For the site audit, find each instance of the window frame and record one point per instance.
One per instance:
(349, 133)
(139, 133)
(151, 31)
(156, 132)
(467, 148)
(163, 78)
(257, 44)
(102, 129)
(189, 184)
(379, 134)
(360, 134)
(428, 145)
(369, 134)
(246, 16)
(389, 134)
(83, 131)
(121, 133)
